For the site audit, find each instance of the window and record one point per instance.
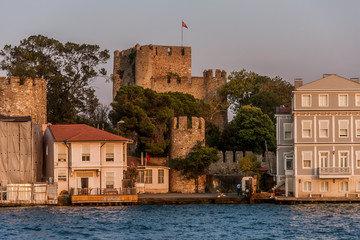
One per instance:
(344, 186)
(357, 123)
(357, 99)
(140, 177)
(323, 100)
(324, 159)
(61, 175)
(289, 160)
(306, 128)
(324, 186)
(307, 186)
(287, 131)
(86, 152)
(343, 128)
(343, 159)
(183, 51)
(61, 153)
(357, 159)
(307, 157)
(358, 186)
(148, 176)
(306, 100)
(323, 128)
(109, 152)
(343, 100)
(161, 176)
(110, 179)
(169, 51)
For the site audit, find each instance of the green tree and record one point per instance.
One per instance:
(249, 88)
(68, 69)
(196, 163)
(249, 164)
(250, 130)
(146, 115)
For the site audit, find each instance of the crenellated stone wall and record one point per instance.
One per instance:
(166, 69)
(27, 99)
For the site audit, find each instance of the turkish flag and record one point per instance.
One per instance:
(147, 157)
(184, 25)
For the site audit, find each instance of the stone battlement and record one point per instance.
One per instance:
(181, 123)
(23, 99)
(165, 69)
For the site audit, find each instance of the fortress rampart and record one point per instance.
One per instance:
(165, 69)
(27, 99)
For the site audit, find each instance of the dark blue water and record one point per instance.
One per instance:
(261, 221)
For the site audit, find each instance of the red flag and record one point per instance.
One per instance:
(147, 157)
(184, 25)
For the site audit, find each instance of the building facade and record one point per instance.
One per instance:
(82, 158)
(326, 139)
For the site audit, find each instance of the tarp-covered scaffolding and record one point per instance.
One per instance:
(21, 152)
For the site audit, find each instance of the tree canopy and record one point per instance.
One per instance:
(68, 69)
(249, 164)
(250, 130)
(249, 88)
(196, 163)
(146, 115)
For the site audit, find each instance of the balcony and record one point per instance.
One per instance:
(334, 172)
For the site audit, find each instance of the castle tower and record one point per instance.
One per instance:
(166, 69)
(27, 99)
(184, 137)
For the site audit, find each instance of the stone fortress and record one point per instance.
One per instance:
(165, 69)
(26, 99)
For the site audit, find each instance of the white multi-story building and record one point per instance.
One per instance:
(325, 127)
(82, 158)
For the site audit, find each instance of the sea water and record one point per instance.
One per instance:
(206, 221)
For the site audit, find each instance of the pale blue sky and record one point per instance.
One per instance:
(290, 39)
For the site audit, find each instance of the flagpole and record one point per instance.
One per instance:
(182, 29)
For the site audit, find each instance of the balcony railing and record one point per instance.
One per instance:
(334, 170)
(102, 191)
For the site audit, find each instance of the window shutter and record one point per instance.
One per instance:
(306, 124)
(324, 124)
(307, 155)
(86, 148)
(109, 148)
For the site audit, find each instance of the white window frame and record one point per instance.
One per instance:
(110, 155)
(346, 122)
(289, 157)
(285, 126)
(307, 186)
(61, 153)
(109, 177)
(161, 177)
(346, 163)
(140, 177)
(347, 100)
(302, 128)
(61, 175)
(306, 158)
(357, 125)
(303, 98)
(341, 186)
(357, 158)
(148, 176)
(323, 122)
(357, 103)
(327, 159)
(327, 100)
(324, 186)
(85, 157)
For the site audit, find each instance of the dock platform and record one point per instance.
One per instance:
(315, 200)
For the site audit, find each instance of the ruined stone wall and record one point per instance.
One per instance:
(27, 99)
(184, 137)
(180, 184)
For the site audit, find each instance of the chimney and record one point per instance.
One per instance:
(355, 80)
(327, 74)
(298, 82)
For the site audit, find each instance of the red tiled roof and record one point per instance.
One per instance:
(82, 132)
